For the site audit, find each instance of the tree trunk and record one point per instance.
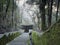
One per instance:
(57, 10)
(12, 13)
(7, 6)
(50, 2)
(42, 12)
(1, 8)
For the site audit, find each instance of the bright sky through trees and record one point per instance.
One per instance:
(27, 11)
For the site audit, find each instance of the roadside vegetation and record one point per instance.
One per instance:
(51, 37)
(6, 39)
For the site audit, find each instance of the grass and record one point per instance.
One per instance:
(51, 37)
(5, 39)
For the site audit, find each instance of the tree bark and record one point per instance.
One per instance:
(50, 2)
(12, 13)
(57, 10)
(1, 8)
(42, 12)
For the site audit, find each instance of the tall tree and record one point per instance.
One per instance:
(7, 6)
(42, 12)
(50, 3)
(12, 11)
(1, 8)
(57, 10)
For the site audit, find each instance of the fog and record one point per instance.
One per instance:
(27, 11)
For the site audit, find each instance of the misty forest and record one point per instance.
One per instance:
(29, 22)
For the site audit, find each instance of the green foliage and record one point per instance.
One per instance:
(36, 38)
(5, 39)
(52, 37)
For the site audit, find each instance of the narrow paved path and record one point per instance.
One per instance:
(21, 40)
